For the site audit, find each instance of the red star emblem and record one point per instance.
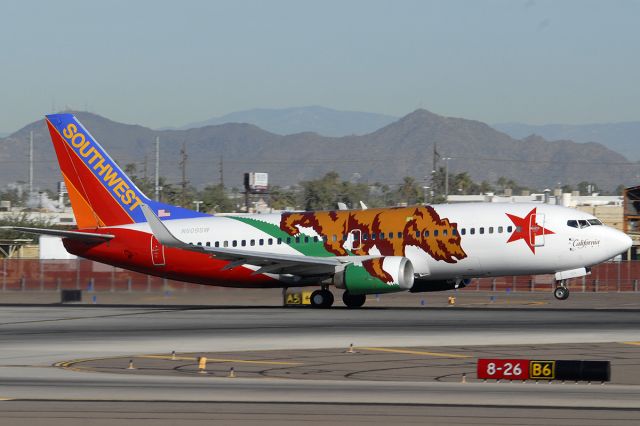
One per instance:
(527, 229)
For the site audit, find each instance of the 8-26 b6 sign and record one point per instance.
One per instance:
(503, 369)
(524, 369)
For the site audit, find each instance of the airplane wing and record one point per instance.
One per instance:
(268, 262)
(74, 235)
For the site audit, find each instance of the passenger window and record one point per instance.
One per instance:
(315, 239)
(261, 241)
(252, 242)
(298, 240)
(518, 228)
(335, 238)
(279, 240)
(400, 235)
(234, 243)
(391, 235)
(426, 233)
(365, 237)
(199, 243)
(500, 229)
(373, 236)
(472, 231)
(243, 243)
(491, 229)
(417, 234)
(481, 230)
(270, 241)
(435, 233)
(572, 223)
(463, 231)
(382, 235)
(454, 231)
(226, 244)
(288, 240)
(216, 244)
(509, 228)
(208, 244)
(306, 240)
(445, 233)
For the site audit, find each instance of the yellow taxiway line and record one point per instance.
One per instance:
(631, 343)
(410, 352)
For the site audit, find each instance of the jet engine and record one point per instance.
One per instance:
(380, 275)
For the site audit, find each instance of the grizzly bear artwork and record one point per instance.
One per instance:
(390, 231)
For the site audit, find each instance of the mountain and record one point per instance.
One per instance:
(324, 121)
(402, 148)
(622, 137)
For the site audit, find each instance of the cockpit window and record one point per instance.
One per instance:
(583, 223)
(572, 223)
(595, 222)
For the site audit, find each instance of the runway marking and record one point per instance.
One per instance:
(2, 398)
(410, 352)
(631, 343)
(239, 361)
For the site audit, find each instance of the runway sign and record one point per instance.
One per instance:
(522, 369)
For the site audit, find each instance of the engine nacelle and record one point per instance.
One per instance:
(380, 275)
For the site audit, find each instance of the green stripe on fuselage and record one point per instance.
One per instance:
(308, 249)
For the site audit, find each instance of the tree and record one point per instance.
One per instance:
(281, 199)
(321, 194)
(215, 200)
(410, 192)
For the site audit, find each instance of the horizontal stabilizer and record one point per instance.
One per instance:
(74, 235)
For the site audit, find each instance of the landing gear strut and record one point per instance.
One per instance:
(353, 300)
(321, 299)
(561, 291)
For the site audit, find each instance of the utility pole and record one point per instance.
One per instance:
(30, 163)
(183, 167)
(157, 182)
(434, 170)
(221, 171)
(446, 177)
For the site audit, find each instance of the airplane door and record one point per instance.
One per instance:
(536, 230)
(157, 252)
(354, 240)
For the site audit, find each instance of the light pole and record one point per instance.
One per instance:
(197, 203)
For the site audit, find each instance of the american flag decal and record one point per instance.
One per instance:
(164, 213)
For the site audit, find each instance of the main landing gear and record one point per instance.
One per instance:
(353, 300)
(561, 291)
(321, 299)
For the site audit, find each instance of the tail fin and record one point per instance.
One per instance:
(101, 193)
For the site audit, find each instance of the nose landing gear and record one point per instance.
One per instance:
(561, 291)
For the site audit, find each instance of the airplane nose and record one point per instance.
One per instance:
(622, 242)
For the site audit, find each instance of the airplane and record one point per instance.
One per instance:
(417, 249)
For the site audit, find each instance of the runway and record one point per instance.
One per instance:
(33, 339)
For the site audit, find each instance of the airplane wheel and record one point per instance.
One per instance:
(561, 293)
(353, 300)
(321, 299)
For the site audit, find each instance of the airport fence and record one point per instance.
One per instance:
(82, 274)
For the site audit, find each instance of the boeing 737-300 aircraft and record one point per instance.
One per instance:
(416, 249)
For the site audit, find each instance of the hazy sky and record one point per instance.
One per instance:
(164, 63)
